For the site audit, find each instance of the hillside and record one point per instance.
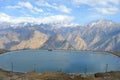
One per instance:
(102, 35)
(7, 75)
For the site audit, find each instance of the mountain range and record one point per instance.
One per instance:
(101, 35)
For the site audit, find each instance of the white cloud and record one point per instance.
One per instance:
(61, 8)
(46, 4)
(37, 9)
(27, 5)
(97, 2)
(13, 7)
(64, 9)
(57, 19)
(49, 19)
(112, 10)
(4, 17)
(102, 6)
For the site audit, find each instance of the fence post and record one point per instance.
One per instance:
(34, 67)
(86, 70)
(106, 67)
(12, 66)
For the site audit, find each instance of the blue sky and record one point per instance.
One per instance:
(59, 11)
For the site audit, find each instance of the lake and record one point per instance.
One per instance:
(59, 60)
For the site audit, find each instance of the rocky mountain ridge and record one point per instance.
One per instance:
(101, 35)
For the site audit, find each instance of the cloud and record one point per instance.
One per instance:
(61, 8)
(27, 5)
(46, 4)
(13, 7)
(48, 19)
(112, 10)
(97, 2)
(64, 9)
(57, 19)
(4, 17)
(102, 6)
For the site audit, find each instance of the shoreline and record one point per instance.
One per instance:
(115, 53)
(111, 52)
(9, 75)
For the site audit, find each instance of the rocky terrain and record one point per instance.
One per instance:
(2, 51)
(7, 75)
(102, 35)
(116, 53)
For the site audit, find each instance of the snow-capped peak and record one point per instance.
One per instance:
(101, 23)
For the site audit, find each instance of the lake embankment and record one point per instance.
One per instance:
(8, 75)
(115, 53)
(3, 51)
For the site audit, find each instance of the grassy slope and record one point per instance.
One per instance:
(116, 53)
(2, 51)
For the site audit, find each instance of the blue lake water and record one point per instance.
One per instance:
(58, 60)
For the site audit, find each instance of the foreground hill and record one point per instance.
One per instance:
(6, 75)
(101, 35)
